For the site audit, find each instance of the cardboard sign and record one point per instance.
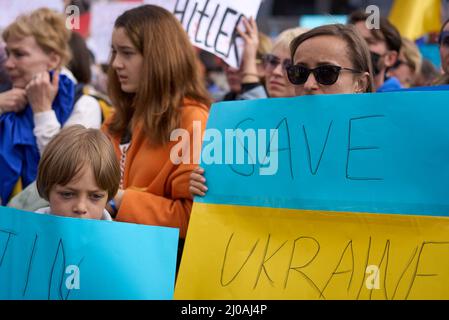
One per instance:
(355, 204)
(210, 24)
(47, 257)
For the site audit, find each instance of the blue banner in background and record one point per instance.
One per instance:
(49, 257)
(379, 153)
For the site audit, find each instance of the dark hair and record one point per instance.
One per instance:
(81, 59)
(444, 25)
(170, 74)
(386, 32)
(358, 51)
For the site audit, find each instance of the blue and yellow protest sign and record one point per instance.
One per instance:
(323, 197)
(49, 257)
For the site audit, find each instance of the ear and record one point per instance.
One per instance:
(54, 61)
(361, 83)
(391, 58)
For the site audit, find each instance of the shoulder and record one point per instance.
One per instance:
(193, 110)
(106, 216)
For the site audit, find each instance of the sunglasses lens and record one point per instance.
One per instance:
(445, 41)
(271, 61)
(297, 74)
(327, 75)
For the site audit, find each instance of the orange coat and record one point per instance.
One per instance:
(156, 189)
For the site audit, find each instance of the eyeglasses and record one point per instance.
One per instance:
(326, 75)
(271, 61)
(444, 39)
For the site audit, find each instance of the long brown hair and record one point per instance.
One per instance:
(358, 51)
(169, 74)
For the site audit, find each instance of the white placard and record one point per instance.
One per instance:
(211, 24)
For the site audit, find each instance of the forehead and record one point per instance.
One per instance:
(22, 43)
(120, 38)
(282, 52)
(322, 49)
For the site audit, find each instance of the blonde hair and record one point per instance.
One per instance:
(284, 39)
(69, 151)
(412, 55)
(47, 27)
(265, 44)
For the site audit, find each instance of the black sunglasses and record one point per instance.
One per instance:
(272, 61)
(326, 75)
(444, 39)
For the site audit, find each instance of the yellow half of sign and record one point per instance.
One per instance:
(237, 252)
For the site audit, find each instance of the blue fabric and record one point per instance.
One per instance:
(19, 154)
(391, 84)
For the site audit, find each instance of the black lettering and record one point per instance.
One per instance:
(386, 254)
(335, 272)
(251, 161)
(262, 265)
(202, 14)
(9, 233)
(59, 251)
(297, 269)
(191, 18)
(241, 268)
(359, 148)
(181, 12)
(289, 148)
(222, 33)
(364, 269)
(415, 273)
(30, 264)
(210, 26)
(233, 43)
(314, 171)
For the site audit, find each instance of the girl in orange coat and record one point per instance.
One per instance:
(155, 86)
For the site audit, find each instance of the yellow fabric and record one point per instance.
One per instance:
(238, 252)
(17, 188)
(415, 18)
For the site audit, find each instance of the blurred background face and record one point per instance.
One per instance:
(234, 77)
(444, 51)
(276, 80)
(25, 59)
(403, 72)
(325, 50)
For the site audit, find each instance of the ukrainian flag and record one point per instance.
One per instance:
(358, 207)
(415, 18)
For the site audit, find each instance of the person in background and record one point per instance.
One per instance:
(384, 44)
(408, 66)
(244, 83)
(5, 82)
(427, 75)
(37, 47)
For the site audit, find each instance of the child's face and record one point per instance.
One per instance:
(80, 198)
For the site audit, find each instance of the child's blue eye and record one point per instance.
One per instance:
(66, 195)
(97, 197)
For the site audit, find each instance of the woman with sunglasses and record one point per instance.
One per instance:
(331, 59)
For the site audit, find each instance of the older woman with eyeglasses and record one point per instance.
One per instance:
(331, 59)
